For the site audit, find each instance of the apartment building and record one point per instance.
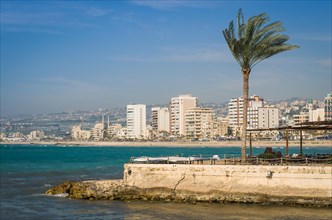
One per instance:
(179, 106)
(235, 112)
(36, 135)
(220, 127)
(301, 118)
(136, 121)
(160, 119)
(117, 131)
(255, 102)
(78, 134)
(268, 117)
(199, 123)
(328, 107)
(317, 114)
(97, 132)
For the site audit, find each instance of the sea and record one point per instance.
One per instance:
(27, 171)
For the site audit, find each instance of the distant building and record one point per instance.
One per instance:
(160, 119)
(220, 127)
(328, 107)
(199, 123)
(268, 117)
(301, 118)
(36, 135)
(18, 135)
(235, 112)
(116, 131)
(97, 133)
(136, 121)
(317, 114)
(255, 102)
(2, 135)
(179, 106)
(78, 134)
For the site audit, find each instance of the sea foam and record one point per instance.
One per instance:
(61, 195)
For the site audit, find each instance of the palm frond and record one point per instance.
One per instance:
(255, 39)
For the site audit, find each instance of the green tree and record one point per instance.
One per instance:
(254, 41)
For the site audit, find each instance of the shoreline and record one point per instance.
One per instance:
(221, 144)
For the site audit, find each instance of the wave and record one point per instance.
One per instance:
(38, 194)
(61, 195)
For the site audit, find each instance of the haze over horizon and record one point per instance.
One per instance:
(83, 55)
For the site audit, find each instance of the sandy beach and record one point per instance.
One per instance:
(325, 143)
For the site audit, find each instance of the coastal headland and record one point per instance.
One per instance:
(315, 143)
(259, 184)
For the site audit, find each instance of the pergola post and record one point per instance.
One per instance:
(250, 144)
(301, 137)
(286, 137)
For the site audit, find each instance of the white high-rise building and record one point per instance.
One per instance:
(268, 117)
(254, 103)
(160, 119)
(328, 107)
(235, 112)
(317, 114)
(179, 106)
(136, 121)
(199, 123)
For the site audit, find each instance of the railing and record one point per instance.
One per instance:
(213, 160)
(280, 161)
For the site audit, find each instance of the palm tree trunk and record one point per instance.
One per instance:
(245, 73)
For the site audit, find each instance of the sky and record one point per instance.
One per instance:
(84, 55)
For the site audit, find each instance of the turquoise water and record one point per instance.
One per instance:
(27, 171)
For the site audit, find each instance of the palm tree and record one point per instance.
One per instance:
(254, 41)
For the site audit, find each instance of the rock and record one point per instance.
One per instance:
(63, 187)
(79, 191)
(118, 190)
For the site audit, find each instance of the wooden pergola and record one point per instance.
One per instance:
(307, 126)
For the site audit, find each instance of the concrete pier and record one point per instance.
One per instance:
(307, 181)
(288, 185)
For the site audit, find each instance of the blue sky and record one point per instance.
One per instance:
(84, 55)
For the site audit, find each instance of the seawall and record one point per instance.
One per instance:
(288, 185)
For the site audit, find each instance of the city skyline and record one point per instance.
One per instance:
(60, 56)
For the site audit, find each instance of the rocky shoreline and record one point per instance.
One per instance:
(118, 190)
